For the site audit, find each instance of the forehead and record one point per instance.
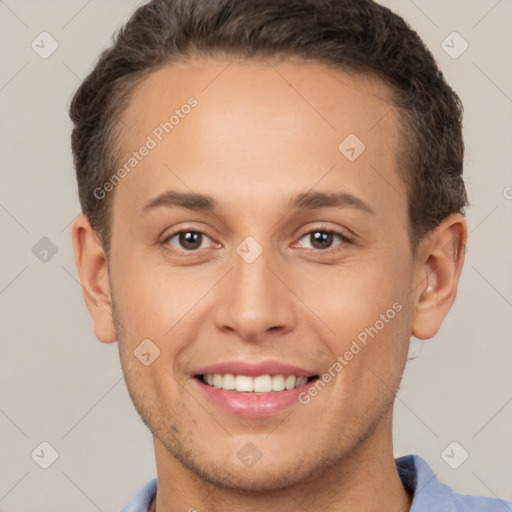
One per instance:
(332, 99)
(258, 123)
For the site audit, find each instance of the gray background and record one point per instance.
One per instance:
(60, 385)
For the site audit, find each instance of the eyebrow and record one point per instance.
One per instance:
(305, 201)
(312, 200)
(190, 201)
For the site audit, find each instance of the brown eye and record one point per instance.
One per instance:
(187, 240)
(322, 239)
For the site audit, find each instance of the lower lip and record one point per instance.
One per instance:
(251, 405)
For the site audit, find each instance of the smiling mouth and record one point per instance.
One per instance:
(261, 384)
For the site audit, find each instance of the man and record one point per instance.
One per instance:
(273, 205)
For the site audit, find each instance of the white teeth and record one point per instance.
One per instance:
(260, 384)
(289, 383)
(301, 381)
(229, 382)
(278, 383)
(243, 383)
(218, 380)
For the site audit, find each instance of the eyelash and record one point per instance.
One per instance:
(182, 231)
(344, 240)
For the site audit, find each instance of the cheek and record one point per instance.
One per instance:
(153, 298)
(352, 297)
(366, 309)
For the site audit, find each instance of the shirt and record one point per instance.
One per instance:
(430, 495)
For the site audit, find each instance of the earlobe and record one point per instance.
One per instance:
(91, 263)
(438, 266)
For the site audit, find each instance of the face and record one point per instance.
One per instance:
(259, 241)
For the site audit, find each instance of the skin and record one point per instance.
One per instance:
(261, 134)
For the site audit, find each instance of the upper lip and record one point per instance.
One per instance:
(253, 369)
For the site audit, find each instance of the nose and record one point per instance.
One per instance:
(254, 301)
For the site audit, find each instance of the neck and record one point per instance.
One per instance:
(360, 481)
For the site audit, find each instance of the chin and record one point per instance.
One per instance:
(232, 475)
(250, 481)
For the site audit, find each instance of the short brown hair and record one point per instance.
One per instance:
(360, 36)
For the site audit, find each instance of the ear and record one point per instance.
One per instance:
(91, 263)
(438, 266)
